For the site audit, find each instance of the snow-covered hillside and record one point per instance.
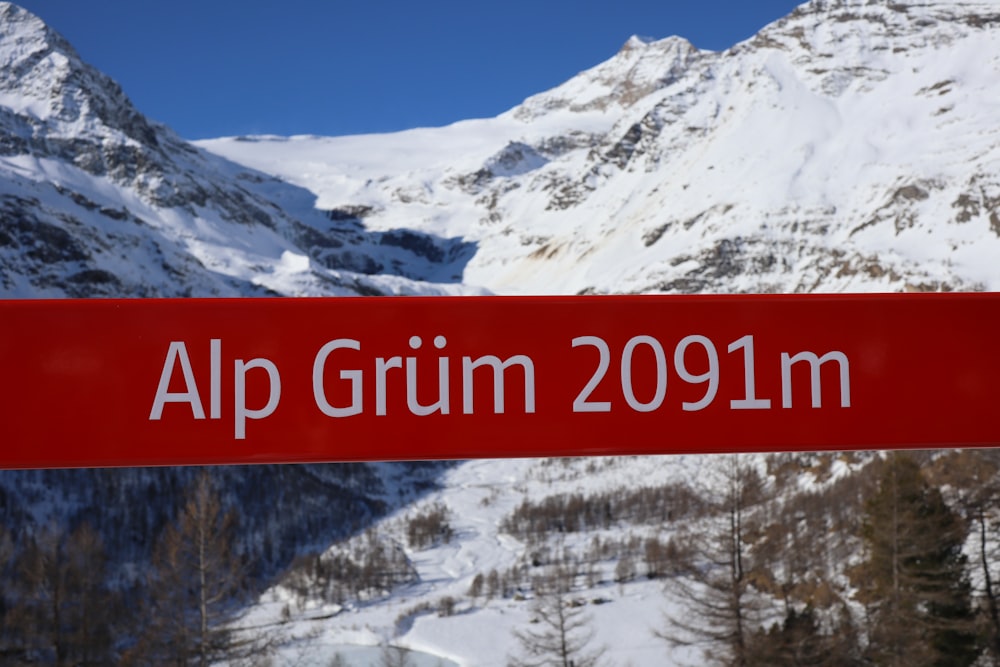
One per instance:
(475, 586)
(477, 496)
(847, 147)
(97, 200)
(851, 146)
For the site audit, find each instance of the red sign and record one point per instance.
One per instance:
(165, 382)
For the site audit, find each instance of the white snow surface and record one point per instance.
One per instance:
(478, 495)
(847, 147)
(850, 147)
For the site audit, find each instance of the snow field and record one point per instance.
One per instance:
(479, 495)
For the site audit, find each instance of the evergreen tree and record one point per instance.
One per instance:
(973, 477)
(8, 640)
(799, 642)
(913, 580)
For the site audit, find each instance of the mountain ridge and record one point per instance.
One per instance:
(645, 173)
(98, 200)
(721, 171)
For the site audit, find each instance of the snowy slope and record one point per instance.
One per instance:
(623, 614)
(98, 200)
(478, 496)
(848, 147)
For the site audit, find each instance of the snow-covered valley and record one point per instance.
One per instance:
(478, 496)
(436, 615)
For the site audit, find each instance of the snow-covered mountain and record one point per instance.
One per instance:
(95, 199)
(851, 146)
(847, 147)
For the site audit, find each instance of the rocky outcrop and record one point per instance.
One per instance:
(98, 200)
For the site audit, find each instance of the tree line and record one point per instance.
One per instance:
(59, 604)
(775, 579)
(892, 563)
(881, 560)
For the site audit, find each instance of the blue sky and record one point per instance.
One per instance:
(334, 67)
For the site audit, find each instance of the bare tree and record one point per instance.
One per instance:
(63, 607)
(563, 637)
(196, 587)
(391, 656)
(718, 607)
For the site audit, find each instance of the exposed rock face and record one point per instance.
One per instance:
(97, 200)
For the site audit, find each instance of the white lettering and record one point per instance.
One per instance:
(661, 374)
(711, 376)
(582, 403)
(215, 379)
(242, 412)
(442, 404)
(354, 377)
(751, 402)
(499, 368)
(815, 362)
(382, 366)
(177, 352)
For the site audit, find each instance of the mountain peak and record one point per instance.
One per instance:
(21, 28)
(848, 146)
(45, 87)
(913, 13)
(636, 42)
(30, 50)
(641, 66)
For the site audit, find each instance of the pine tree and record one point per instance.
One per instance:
(913, 581)
(799, 642)
(973, 475)
(7, 595)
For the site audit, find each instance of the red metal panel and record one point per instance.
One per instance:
(124, 382)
